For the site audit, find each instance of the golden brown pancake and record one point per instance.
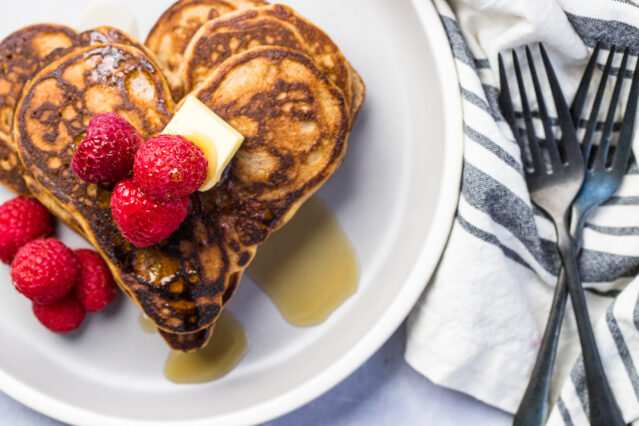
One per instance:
(173, 31)
(274, 25)
(296, 125)
(85, 81)
(10, 168)
(358, 90)
(51, 120)
(21, 54)
(108, 35)
(23, 48)
(221, 38)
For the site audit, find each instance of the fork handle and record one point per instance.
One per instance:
(534, 406)
(603, 409)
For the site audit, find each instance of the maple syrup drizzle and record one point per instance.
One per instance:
(309, 267)
(225, 349)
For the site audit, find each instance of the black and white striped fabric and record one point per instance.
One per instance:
(479, 324)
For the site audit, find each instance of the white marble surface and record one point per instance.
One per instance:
(384, 391)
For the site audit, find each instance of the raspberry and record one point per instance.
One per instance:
(62, 316)
(142, 220)
(21, 220)
(44, 270)
(95, 288)
(106, 155)
(168, 167)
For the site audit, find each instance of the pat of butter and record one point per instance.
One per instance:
(218, 139)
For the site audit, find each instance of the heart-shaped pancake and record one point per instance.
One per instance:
(296, 125)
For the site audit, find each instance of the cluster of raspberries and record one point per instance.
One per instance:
(62, 284)
(153, 180)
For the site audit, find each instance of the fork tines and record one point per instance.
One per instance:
(599, 155)
(556, 153)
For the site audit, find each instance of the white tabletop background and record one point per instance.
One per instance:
(384, 391)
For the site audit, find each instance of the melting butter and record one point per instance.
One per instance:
(220, 142)
(309, 267)
(209, 148)
(225, 349)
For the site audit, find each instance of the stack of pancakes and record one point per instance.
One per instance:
(274, 76)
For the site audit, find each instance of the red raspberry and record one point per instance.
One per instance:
(21, 220)
(142, 220)
(44, 270)
(95, 288)
(62, 316)
(106, 155)
(169, 166)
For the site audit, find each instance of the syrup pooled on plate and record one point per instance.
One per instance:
(309, 267)
(225, 349)
(147, 325)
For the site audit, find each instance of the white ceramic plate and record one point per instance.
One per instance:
(395, 196)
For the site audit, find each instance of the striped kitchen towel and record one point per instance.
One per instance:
(479, 324)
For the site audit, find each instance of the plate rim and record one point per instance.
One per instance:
(386, 325)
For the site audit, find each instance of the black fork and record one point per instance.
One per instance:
(553, 187)
(600, 184)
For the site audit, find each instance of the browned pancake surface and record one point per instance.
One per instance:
(21, 54)
(45, 37)
(274, 25)
(107, 35)
(180, 283)
(110, 35)
(175, 28)
(292, 120)
(10, 168)
(219, 39)
(296, 126)
(358, 89)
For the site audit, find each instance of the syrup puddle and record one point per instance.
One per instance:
(225, 349)
(309, 267)
(147, 325)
